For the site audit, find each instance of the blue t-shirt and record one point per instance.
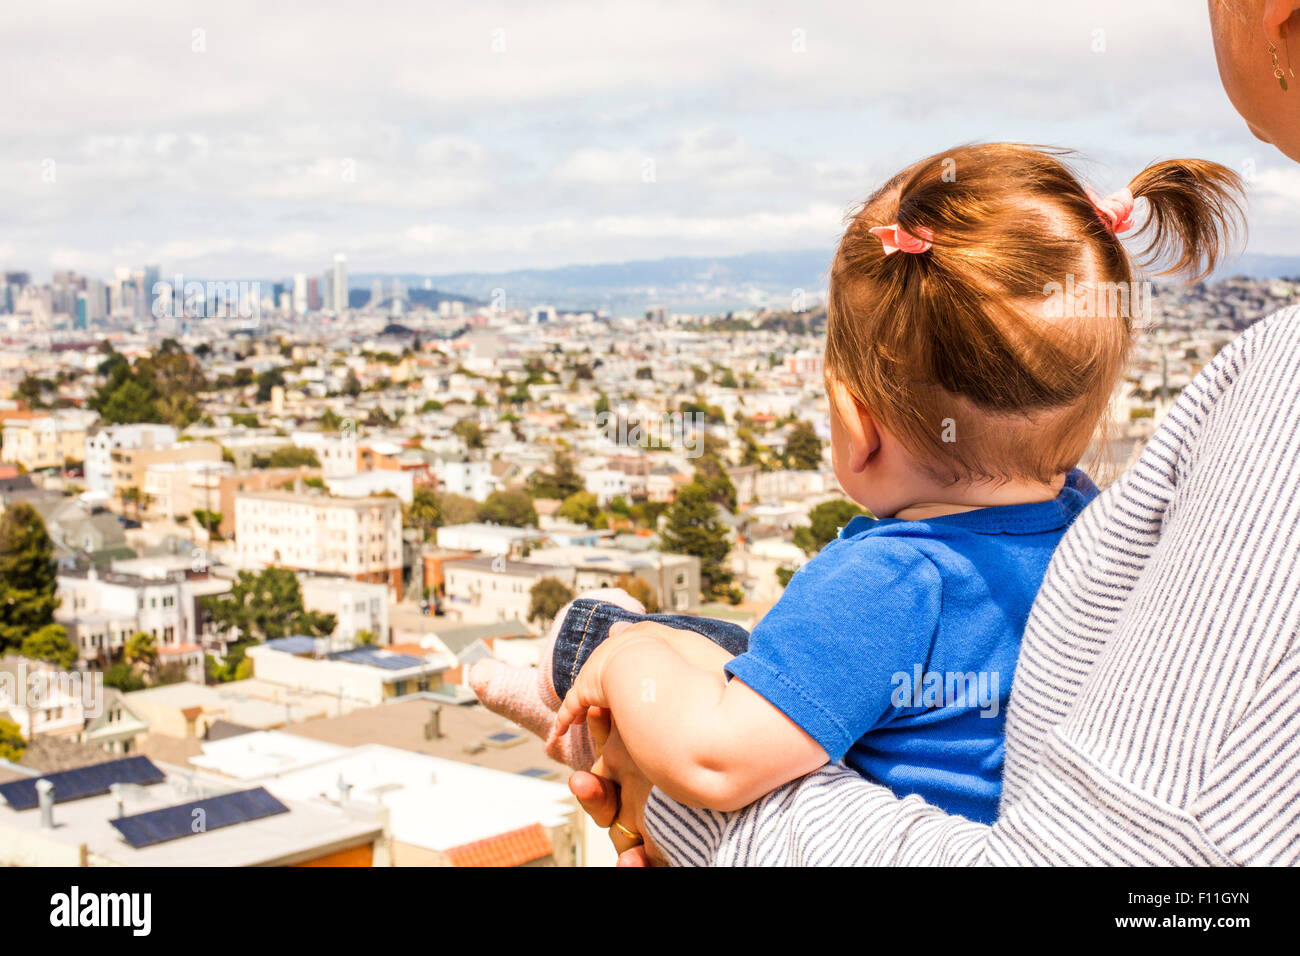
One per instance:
(894, 648)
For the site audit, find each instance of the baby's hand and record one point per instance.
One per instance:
(588, 691)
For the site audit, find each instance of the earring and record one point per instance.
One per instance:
(1278, 72)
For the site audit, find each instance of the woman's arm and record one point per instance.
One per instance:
(704, 740)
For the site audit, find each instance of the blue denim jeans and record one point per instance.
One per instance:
(587, 625)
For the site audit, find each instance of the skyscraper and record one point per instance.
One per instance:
(300, 293)
(340, 289)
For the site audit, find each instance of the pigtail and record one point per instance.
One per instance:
(1195, 215)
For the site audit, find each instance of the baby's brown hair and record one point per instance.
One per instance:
(955, 350)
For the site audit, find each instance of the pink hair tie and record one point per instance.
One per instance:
(897, 239)
(1115, 210)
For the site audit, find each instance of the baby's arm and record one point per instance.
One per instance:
(700, 738)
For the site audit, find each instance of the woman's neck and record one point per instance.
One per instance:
(972, 497)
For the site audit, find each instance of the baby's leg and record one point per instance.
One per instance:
(587, 624)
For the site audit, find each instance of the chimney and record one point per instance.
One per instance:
(344, 789)
(433, 729)
(45, 790)
(119, 798)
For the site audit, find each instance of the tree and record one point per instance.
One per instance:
(12, 745)
(693, 528)
(123, 676)
(581, 507)
(266, 605)
(49, 644)
(424, 513)
(803, 449)
(560, 482)
(134, 497)
(468, 432)
(513, 508)
(27, 575)
(546, 598)
(209, 521)
(366, 637)
(141, 651)
(291, 456)
(457, 509)
(710, 473)
(825, 521)
(268, 380)
(32, 390)
(639, 589)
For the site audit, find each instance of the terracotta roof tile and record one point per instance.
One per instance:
(512, 848)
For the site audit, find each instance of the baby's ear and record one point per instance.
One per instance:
(858, 422)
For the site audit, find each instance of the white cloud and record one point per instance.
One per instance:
(397, 133)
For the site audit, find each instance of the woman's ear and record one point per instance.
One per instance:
(859, 426)
(1276, 14)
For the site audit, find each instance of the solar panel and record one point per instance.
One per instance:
(199, 816)
(372, 658)
(82, 782)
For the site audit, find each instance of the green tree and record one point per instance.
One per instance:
(366, 637)
(710, 473)
(546, 598)
(513, 508)
(468, 432)
(824, 523)
(266, 605)
(424, 513)
(124, 677)
(141, 651)
(27, 575)
(291, 456)
(209, 521)
(803, 449)
(560, 482)
(50, 643)
(640, 589)
(457, 509)
(12, 745)
(268, 380)
(581, 507)
(692, 527)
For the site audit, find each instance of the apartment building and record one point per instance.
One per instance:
(472, 478)
(176, 489)
(487, 538)
(46, 441)
(480, 590)
(673, 578)
(102, 609)
(358, 538)
(130, 465)
(101, 443)
(337, 452)
(357, 605)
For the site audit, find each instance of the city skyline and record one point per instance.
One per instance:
(489, 139)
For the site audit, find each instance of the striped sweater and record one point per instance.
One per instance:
(1155, 715)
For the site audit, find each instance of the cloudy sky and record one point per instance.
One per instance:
(246, 138)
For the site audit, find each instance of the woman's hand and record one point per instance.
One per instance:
(615, 791)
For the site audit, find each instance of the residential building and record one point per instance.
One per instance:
(46, 441)
(674, 579)
(101, 443)
(487, 538)
(495, 589)
(357, 605)
(359, 538)
(363, 675)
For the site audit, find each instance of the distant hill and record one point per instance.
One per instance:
(687, 283)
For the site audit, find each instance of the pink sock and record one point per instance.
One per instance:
(526, 695)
